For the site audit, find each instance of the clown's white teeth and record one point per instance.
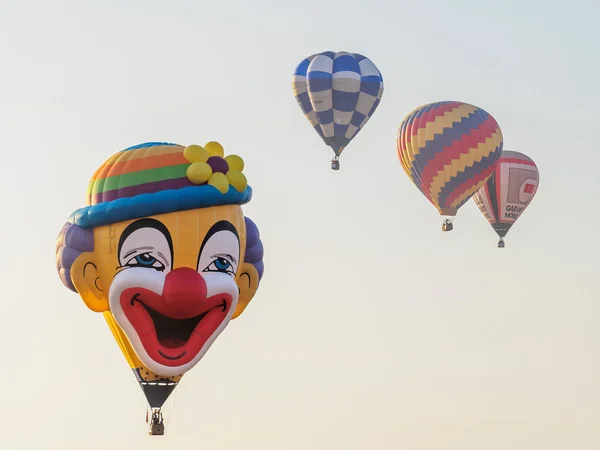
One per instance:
(149, 383)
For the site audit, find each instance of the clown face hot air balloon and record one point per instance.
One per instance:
(164, 252)
(508, 192)
(338, 93)
(449, 150)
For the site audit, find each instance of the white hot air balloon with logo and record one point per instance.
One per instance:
(508, 191)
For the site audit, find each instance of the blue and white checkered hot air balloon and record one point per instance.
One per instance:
(338, 93)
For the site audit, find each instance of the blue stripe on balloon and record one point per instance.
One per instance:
(370, 85)
(374, 107)
(325, 117)
(319, 81)
(357, 119)
(319, 131)
(339, 130)
(345, 63)
(428, 108)
(449, 135)
(302, 68)
(148, 145)
(344, 101)
(304, 101)
(469, 172)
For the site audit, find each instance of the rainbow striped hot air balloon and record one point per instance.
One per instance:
(449, 150)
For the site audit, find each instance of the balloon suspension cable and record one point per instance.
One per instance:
(335, 163)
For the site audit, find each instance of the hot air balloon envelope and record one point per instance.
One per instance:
(338, 93)
(164, 252)
(449, 150)
(508, 192)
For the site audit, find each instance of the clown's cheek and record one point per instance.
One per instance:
(221, 283)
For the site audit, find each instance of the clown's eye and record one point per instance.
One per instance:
(220, 265)
(146, 260)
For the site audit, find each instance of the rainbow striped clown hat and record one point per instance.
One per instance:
(159, 178)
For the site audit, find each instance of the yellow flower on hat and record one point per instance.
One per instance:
(208, 165)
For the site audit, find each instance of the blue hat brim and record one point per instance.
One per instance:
(163, 202)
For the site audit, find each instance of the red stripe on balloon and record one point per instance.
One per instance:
(422, 120)
(469, 184)
(462, 146)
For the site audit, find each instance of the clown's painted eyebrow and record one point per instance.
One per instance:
(226, 255)
(131, 252)
(146, 223)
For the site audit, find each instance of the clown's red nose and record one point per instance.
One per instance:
(183, 293)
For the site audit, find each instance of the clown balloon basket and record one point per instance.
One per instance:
(157, 426)
(501, 243)
(335, 163)
(447, 225)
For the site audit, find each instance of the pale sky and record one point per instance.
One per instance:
(372, 329)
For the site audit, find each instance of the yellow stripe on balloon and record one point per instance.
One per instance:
(461, 163)
(404, 162)
(122, 157)
(409, 153)
(469, 192)
(157, 150)
(436, 126)
(410, 161)
(405, 167)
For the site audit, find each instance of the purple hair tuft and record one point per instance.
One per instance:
(71, 242)
(254, 248)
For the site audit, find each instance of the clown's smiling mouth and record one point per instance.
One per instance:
(172, 330)
(173, 333)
